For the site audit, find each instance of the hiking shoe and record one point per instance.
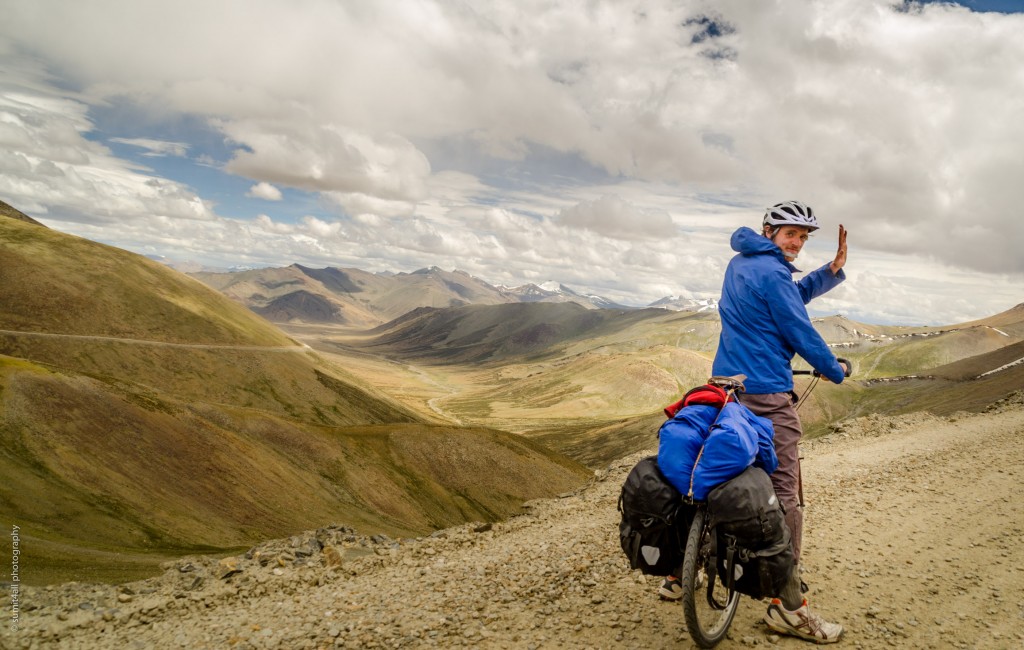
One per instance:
(671, 589)
(801, 623)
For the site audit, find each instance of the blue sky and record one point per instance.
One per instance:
(609, 146)
(1004, 6)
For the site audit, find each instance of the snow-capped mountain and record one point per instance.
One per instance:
(360, 298)
(556, 292)
(677, 303)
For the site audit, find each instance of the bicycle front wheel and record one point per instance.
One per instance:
(708, 610)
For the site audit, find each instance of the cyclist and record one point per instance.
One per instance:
(764, 323)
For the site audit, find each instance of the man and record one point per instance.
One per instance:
(764, 324)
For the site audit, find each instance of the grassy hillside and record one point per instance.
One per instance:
(981, 364)
(478, 333)
(13, 213)
(587, 387)
(918, 354)
(87, 308)
(351, 297)
(592, 385)
(144, 415)
(56, 283)
(93, 467)
(893, 351)
(595, 385)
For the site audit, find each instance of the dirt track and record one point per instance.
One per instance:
(915, 539)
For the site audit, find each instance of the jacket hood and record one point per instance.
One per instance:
(747, 241)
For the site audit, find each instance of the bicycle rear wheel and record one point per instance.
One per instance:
(708, 614)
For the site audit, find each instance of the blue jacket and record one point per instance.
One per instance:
(737, 440)
(764, 320)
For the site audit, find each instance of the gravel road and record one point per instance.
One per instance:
(914, 538)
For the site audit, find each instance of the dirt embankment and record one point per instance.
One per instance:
(915, 539)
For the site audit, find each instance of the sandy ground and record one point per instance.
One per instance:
(914, 539)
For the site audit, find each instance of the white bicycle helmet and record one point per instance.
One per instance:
(790, 213)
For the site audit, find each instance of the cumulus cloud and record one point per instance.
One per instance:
(265, 191)
(358, 203)
(344, 160)
(614, 217)
(417, 126)
(267, 224)
(875, 120)
(51, 169)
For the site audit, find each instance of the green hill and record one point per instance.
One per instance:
(144, 415)
(59, 284)
(479, 333)
(12, 212)
(592, 384)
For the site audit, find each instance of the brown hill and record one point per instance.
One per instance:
(55, 283)
(360, 300)
(476, 333)
(881, 351)
(143, 414)
(592, 384)
(348, 297)
(1011, 320)
(302, 306)
(13, 213)
(94, 472)
(983, 365)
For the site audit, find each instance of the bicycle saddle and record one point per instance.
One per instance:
(729, 383)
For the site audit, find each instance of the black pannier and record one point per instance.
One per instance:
(752, 539)
(654, 522)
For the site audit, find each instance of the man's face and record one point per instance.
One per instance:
(791, 240)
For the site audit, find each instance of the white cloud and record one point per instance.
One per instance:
(156, 147)
(609, 145)
(611, 216)
(265, 191)
(50, 168)
(328, 158)
(899, 123)
(269, 225)
(357, 203)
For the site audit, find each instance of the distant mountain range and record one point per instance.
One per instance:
(476, 333)
(357, 298)
(676, 303)
(145, 415)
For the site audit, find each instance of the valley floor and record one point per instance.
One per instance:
(915, 539)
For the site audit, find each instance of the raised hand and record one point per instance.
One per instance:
(840, 259)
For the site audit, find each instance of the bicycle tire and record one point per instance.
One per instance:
(706, 624)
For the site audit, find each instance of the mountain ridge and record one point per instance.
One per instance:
(144, 415)
(277, 430)
(7, 210)
(360, 299)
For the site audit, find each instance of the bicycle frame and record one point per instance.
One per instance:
(699, 571)
(708, 624)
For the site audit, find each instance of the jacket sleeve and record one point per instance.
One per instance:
(818, 282)
(787, 310)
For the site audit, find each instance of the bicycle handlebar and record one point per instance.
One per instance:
(814, 373)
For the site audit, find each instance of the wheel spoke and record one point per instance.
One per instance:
(707, 605)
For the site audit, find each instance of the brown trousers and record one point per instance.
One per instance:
(778, 407)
